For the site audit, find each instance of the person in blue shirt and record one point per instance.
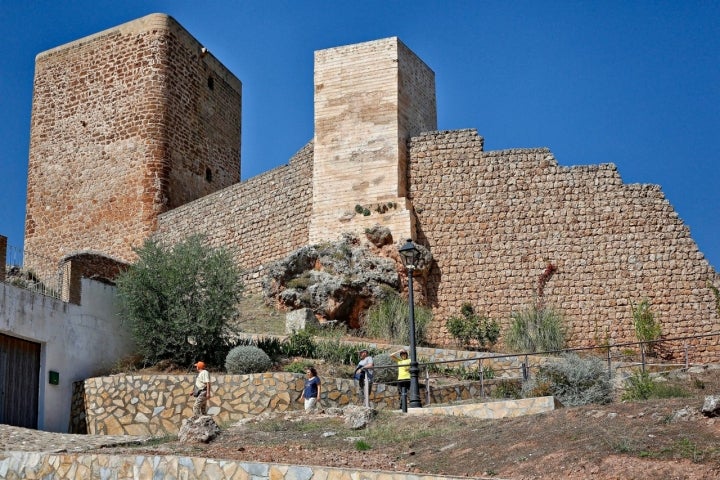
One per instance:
(311, 389)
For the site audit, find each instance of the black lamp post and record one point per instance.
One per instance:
(409, 254)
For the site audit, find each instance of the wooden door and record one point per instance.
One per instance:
(19, 381)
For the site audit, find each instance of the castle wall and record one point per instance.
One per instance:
(124, 126)
(494, 220)
(369, 99)
(259, 220)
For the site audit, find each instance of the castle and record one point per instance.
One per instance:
(136, 133)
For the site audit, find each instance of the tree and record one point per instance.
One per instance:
(178, 301)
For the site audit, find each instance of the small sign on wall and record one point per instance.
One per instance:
(54, 378)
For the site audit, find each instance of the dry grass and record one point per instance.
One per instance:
(257, 317)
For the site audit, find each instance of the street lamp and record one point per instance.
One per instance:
(410, 254)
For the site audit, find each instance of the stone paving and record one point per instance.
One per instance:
(29, 440)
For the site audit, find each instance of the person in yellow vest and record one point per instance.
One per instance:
(401, 358)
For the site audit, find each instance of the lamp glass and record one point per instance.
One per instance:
(408, 253)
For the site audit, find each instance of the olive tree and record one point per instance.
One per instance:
(178, 301)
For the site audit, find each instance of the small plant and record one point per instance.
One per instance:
(646, 328)
(302, 282)
(272, 346)
(536, 329)
(362, 445)
(334, 351)
(359, 208)
(469, 326)
(574, 380)
(300, 344)
(507, 389)
(297, 367)
(246, 359)
(389, 319)
(640, 386)
(686, 448)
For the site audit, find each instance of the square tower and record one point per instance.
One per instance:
(126, 124)
(370, 98)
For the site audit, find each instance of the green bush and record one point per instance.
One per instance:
(574, 380)
(270, 345)
(297, 367)
(334, 351)
(639, 386)
(389, 319)
(245, 359)
(646, 328)
(469, 326)
(535, 329)
(178, 301)
(300, 344)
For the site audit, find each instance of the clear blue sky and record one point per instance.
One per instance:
(632, 83)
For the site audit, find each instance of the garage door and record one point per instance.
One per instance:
(19, 381)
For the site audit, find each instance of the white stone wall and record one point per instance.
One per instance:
(78, 341)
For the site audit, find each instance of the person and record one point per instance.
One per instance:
(202, 391)
(401, 358)
(311, 390)
(363, 371)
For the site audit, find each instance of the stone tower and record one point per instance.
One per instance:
(370, 98)
(126, 124)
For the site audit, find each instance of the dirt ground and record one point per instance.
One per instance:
(658, 439)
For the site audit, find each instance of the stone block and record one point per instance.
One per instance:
(299, 320)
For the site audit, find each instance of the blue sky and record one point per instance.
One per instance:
(632, 83)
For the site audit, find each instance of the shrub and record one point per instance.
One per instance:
(639, 386)
(272, 346)
(507, 389)
(297, 367)
(646, 328)
(245, 359)
(178, 301)
(574, 380)
(389, 320)
(300, 344)
(536, 329)
(469, 326)
(334, 351)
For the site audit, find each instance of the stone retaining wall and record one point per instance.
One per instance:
(157, 404)
(21, 465)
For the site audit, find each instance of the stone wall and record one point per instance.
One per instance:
(157, 404)
(495, 220)
(257, 221)
(80, 466)
(126, 124)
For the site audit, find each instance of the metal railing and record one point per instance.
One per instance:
(18, 276)
(496, 368)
